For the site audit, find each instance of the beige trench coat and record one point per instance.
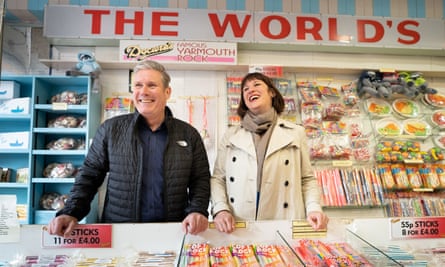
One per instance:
(289, 189)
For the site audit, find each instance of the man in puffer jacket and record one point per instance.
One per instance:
(157, 166)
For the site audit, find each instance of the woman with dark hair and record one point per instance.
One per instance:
(262, 170)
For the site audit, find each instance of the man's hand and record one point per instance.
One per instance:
(195, 223)
(62, 225)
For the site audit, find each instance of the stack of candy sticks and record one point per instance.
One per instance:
(288, 256)
(350, 186)
(306, 252)
(318, 253)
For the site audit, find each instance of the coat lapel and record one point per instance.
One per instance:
(281, 137)
(243, 140)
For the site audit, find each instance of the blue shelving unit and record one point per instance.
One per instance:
(42, 91)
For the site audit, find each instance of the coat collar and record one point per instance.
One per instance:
(281, 137)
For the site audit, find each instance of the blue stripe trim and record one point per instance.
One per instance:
(237, 4)
(273, 5)
(416, 9)
(80, 2)
(381, 8)
(199, 4)
(158, 3)
(36, 8)
(310, 7)
(346, 7)
(38, 5)
(119, 3)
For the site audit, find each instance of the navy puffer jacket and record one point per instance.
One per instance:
(117, 150)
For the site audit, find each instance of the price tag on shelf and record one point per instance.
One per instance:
(411, 228)
(83, 236)
(59, 106)
(342, 163)
(237, 225)
(302, 229)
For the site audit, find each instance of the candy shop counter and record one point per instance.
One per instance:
(368, 237)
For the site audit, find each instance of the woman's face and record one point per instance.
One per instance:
(149, 94)
(257, 96)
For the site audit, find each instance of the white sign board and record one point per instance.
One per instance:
(139, 23)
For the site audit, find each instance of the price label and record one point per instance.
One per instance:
(59, 106)
(410, 228)
(237, 225)
(83, 236)
(342, 163)
(302, 229)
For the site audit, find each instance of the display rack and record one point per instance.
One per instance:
(51, 98)
(18, 158)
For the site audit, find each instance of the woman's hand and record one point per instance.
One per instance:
(224, 222)
(318, 220)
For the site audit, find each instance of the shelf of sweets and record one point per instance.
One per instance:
(351, 186)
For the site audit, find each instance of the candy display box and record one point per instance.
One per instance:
(129, 240)
(9, 89)
(14, 140)
(15, 106)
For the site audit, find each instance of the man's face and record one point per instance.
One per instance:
(149, 94)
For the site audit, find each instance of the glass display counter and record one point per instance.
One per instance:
(368, 238)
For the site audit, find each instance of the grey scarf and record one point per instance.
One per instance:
(261, 127)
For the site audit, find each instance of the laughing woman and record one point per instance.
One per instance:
(262, 170)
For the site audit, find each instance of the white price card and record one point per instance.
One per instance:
(423, 227)
(9, 223)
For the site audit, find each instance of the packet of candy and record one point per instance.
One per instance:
(221, 256)
(244, 256)
(197, 254)
(268, 255)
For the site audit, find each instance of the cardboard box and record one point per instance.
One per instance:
(14, 140)
(9, 89)
(15, 106)
(22, 175)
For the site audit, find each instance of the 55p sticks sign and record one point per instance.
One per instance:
(83, 236)
(410, 228)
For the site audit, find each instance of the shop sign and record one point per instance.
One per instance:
(83, 236)
(412, 228)
(179, 52)
(271, 71)
(139, 23)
